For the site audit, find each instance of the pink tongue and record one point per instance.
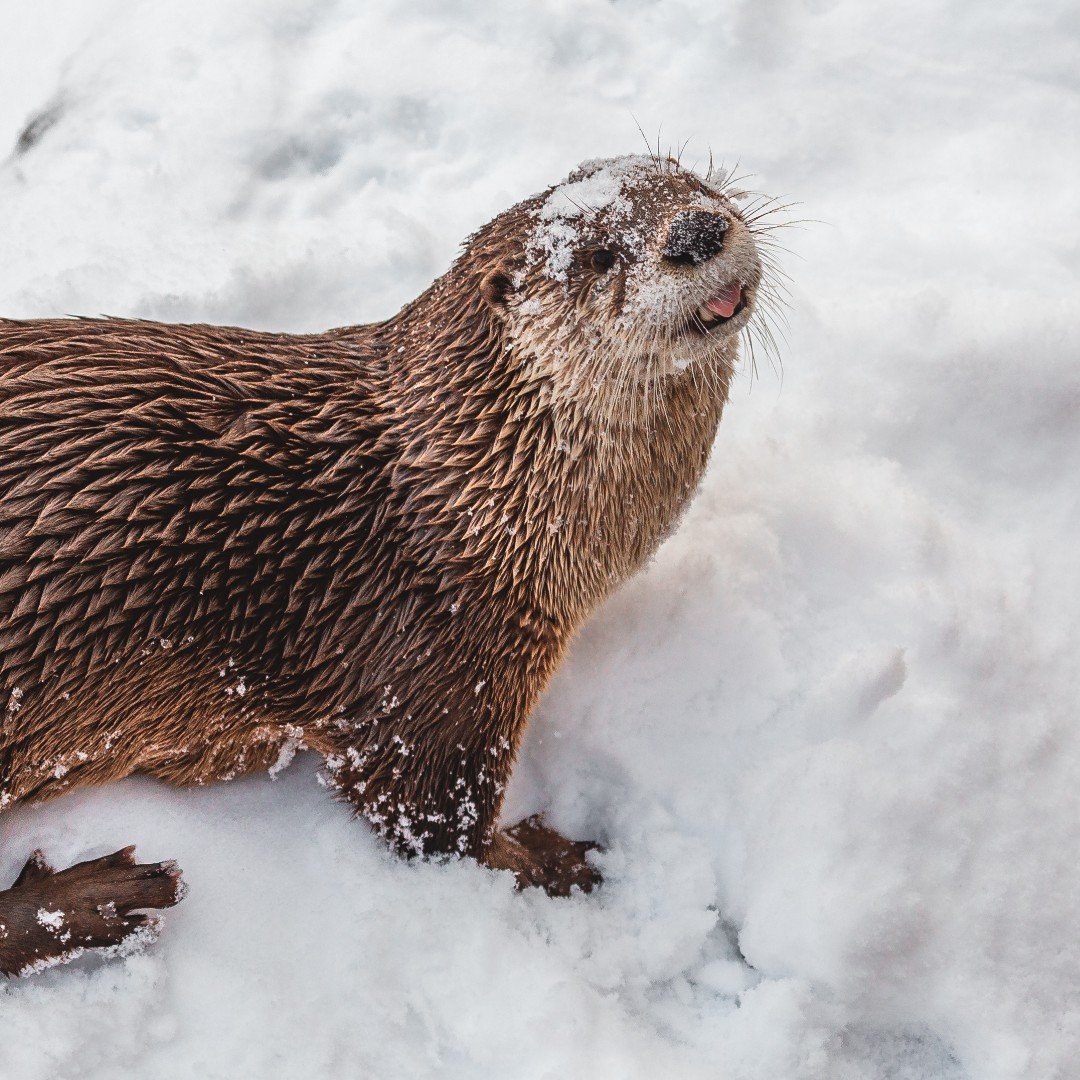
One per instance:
(725, 303)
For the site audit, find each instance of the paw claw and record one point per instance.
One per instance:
(124, 857)
(36, 868)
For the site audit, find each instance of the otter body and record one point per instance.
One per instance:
(218, 546)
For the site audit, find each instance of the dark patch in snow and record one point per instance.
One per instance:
(37, 127)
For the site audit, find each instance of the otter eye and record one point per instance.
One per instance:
(602, 260)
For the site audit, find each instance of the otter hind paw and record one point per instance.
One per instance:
(49, 917)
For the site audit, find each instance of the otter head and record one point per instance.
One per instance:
(631, 272)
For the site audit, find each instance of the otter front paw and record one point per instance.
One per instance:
(49, 918)
(540, 856)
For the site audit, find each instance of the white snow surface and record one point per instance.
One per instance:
(832, 729)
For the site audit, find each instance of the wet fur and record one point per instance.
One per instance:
(218, 545)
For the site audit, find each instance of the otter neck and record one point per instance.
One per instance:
(636, 481)
(526, 476)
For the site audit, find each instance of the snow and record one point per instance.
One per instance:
(54, 920)
(829, 738)
(600, 188)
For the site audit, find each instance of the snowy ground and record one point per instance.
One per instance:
(832, 730)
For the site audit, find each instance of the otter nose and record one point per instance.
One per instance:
(694, 236)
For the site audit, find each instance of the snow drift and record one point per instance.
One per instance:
(829, 738)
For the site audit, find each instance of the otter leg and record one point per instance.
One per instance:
(49, 917)
(425, 801)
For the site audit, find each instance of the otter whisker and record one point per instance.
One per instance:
(792, 223)
(584, 208)
(755, 214)
(730, 177)
(654, 154)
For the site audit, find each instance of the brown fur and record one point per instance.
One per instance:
(217, 545)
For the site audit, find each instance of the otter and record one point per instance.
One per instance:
(219, 546)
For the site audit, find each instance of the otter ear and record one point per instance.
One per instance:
(496, 288)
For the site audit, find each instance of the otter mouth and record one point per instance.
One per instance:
(719, 309)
